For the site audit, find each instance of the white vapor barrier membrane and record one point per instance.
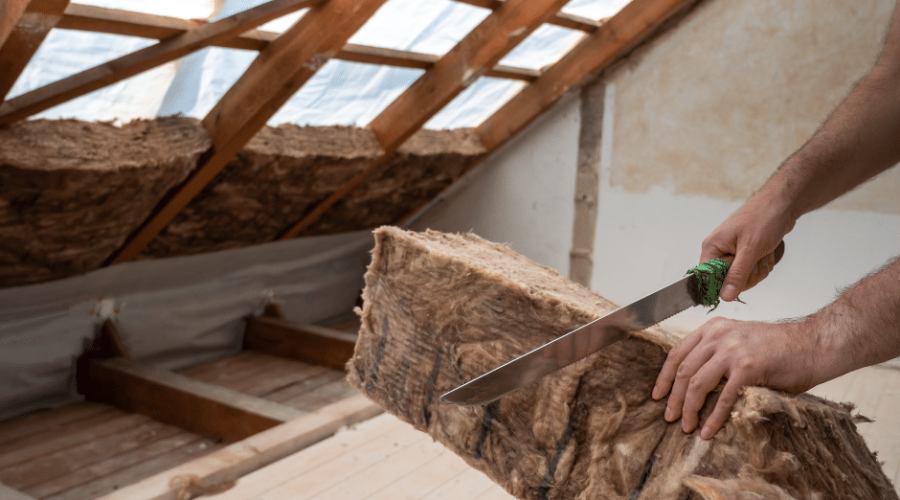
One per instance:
(341, 93)
(170, 312)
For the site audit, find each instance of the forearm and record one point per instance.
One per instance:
(860, 328)
(859, 140)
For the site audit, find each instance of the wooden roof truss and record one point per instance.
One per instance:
(288, 60)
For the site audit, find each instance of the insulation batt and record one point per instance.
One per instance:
(72, 191)
(440, 309)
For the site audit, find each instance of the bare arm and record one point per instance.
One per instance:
(859, 140)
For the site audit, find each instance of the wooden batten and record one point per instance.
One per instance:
(209, 410)
(27, 33)
(142, 60)
(471, 58)
(10, 493)
(562, 19)
(303, 342)
(273, 77)
(219, 470)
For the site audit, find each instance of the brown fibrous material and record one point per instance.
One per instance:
(441, 309)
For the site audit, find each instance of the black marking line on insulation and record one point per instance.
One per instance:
(644, 477)
(561, 446)
(490, 413)
(429, 391)
(378, 355)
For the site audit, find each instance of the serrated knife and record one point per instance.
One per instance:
(579, 343)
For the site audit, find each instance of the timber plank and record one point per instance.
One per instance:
(255, 452)
(112, 483)
(48, 420)
(308, 343)
(142, 60)
(421, 480)
(208, 410)
(612, 40)
(89, 429)
(380, 474)
(61, 462)
(467, 484)
(495, 492)
(479, 51)
(10, 13)
(285, 394)
(114, 464)
(272, 78)
(259, 374)
(324, 394)
(307, 473)
(23, 42)
(560, 19)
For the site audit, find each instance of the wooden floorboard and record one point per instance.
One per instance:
(254, 373)
(876, 393)
(147, 468)
(100, 471)
(49, 420)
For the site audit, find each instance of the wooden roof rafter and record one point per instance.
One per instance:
(137, 62)
(273, 77)
(499, 33)
(561, 19)
(22, 31)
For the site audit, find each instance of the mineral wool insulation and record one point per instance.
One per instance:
(440, 309)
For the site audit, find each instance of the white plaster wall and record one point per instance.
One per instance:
(696, 121)
(524, 193)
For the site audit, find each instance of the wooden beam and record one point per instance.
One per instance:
(145, 59)
(123, 22)
(8, 492)
(562, 19)
(26, 37)
(10, 13)
(209, 410)
(303, 342)
(619, 35)
(624, 31)
(272, 78)
(471, 58)
(239, 459)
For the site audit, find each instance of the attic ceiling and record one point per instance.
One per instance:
(76, 196)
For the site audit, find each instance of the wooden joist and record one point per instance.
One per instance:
(142, 60)
(21, 41)
(123, 22)
(303, 342)
(273, 77)
(612, 41)
(470, 59)
(222, 467)
(209, 410)
(562, 19)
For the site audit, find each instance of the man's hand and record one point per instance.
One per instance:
(750, 235)
(780, 356)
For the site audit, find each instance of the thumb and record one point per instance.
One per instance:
(737, 276)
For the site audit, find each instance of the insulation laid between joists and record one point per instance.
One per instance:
(441, 309)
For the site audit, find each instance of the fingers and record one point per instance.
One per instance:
(700, 384)
(673, 361)
(738, 274)
(726, 402)
(684, 374)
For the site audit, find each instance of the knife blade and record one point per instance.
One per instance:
(580, 343)
(574, 346)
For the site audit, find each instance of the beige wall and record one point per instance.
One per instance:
(716, 104)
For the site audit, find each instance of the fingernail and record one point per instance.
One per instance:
(669, 413)
(729, 292)
(706, 433)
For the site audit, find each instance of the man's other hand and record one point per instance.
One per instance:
(780, 356)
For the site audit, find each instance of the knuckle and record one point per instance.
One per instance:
(696, 384)
(683, 372)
